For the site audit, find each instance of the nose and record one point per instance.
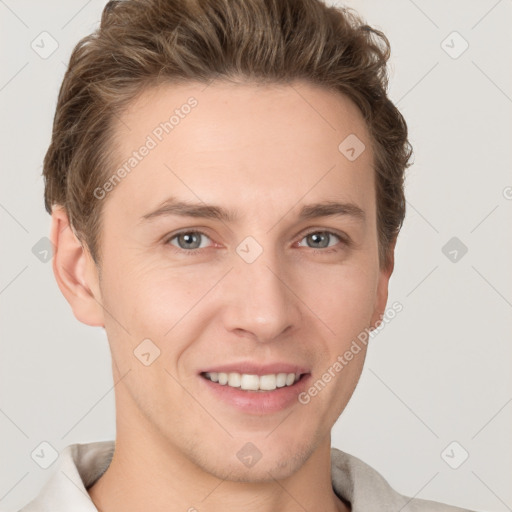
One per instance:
(259, 301)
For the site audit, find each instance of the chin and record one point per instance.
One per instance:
(275, 463)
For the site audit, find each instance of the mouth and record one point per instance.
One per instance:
(253, 382)
(253, 388)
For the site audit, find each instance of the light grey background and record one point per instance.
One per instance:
(439, 372)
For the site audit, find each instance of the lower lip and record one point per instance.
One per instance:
(258, 402)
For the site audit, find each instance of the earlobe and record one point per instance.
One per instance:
(75, 271)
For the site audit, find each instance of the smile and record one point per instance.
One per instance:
(250, 382)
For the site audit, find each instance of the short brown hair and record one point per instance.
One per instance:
(141, 43)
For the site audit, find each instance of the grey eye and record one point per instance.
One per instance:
(320, 239)
(188, 240)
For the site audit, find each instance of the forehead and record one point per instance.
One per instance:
(264, 141)
(275, 108)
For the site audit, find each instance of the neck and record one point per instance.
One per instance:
(144, 472)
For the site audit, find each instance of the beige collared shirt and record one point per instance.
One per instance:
(80, 465)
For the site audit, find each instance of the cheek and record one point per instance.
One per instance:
(139, 288)
(343, 297)
(150, 301)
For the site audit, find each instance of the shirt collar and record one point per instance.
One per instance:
(80, 465)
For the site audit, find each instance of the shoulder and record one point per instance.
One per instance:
(366, 489)
(78, 466)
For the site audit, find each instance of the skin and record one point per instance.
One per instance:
(263, 151)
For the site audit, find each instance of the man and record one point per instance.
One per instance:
(225, 180)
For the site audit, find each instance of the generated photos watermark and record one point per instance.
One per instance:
(156, 136)
(343, 359)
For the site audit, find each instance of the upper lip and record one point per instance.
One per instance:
(252, 368)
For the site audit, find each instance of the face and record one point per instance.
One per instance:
(214, 255)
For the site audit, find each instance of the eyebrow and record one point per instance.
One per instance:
(173, 206)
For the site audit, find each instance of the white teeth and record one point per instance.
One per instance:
(268, 382)
(234, 380)
(281, 380)
(290, 379)
(253, 382)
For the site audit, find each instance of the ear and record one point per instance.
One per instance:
(382, 287)
(75, 271)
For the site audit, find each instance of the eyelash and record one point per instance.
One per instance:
(343, 239)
